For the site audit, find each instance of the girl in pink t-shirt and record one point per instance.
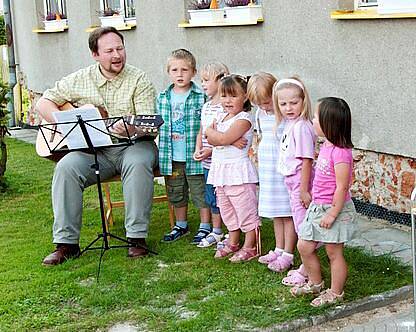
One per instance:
(330, 218)
(296, 155)
(232, 173)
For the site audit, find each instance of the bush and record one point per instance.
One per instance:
(4, 117)
(2, 31)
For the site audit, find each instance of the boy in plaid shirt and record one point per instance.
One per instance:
(180, 107)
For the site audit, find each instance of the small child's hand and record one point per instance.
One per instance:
(197, 155)
(205, 153)
(241, 143)
(305, 198)
(211, 127)
(327, 221)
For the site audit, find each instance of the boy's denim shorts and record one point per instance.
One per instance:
(210, 197)
(180, 185)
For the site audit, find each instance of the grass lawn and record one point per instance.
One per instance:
(181, 289)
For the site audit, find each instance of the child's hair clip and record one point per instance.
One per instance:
(242, 77)
(220, 76)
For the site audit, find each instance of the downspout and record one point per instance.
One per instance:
(12, 63)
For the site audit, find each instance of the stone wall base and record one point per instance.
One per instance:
(384, 180)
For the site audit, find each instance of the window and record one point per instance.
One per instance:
(396, 6)
(388, 6)
(130, 9)
(125, 8)
(365, 4)
(362, 4)
(55, 9)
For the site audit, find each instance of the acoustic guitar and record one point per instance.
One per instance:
(50, 138)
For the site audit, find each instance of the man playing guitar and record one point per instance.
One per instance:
(120, 89)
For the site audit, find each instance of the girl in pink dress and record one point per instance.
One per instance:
(232, 173)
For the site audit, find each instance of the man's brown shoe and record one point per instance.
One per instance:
(62, 253)
(140, 250)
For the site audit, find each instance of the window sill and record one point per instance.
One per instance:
(225, 24)
(368, 14)
(129, 26)
(40, 30)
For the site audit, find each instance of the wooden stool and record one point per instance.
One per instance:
(109, 205)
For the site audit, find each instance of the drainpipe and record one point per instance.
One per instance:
(12, 64)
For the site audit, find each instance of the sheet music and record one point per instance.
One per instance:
(75, 138)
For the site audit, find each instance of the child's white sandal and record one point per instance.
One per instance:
(327, 297)
(206, 242)
(307, 289)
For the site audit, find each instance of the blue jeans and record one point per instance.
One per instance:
(210, 197)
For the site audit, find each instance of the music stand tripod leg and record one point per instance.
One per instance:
(105, 233)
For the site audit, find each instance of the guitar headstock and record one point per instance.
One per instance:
(149, 130)
(147, 123)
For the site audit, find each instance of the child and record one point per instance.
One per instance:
(331, 216)
(210, 77)
(297, 147)
(232, 173)
(273, 195)
(180, 106)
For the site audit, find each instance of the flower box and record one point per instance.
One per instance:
(52, 25)
(249, 13)
(206, 16)
(396, 6)
(116, 21)
(130, 20)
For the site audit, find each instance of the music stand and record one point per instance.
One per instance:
(86, 127)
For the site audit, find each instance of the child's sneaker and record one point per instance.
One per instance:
(200, 235)
(176, 233)
(211, 239)
(281, 264)
(270, 257)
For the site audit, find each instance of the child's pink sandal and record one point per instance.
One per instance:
(327, 297)
(226, 250)
(295, 278)
(270, 257)
(244, 255)
(281, 264)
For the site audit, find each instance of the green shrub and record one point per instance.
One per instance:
(4, 117)
(2, 31)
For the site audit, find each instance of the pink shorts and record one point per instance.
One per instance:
(298, 210)
(238, 207)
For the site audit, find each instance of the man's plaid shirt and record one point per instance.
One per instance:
(192, 119)
(130, 92)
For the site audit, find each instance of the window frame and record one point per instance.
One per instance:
(126, 6)
(365, 4)
(62, 9)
